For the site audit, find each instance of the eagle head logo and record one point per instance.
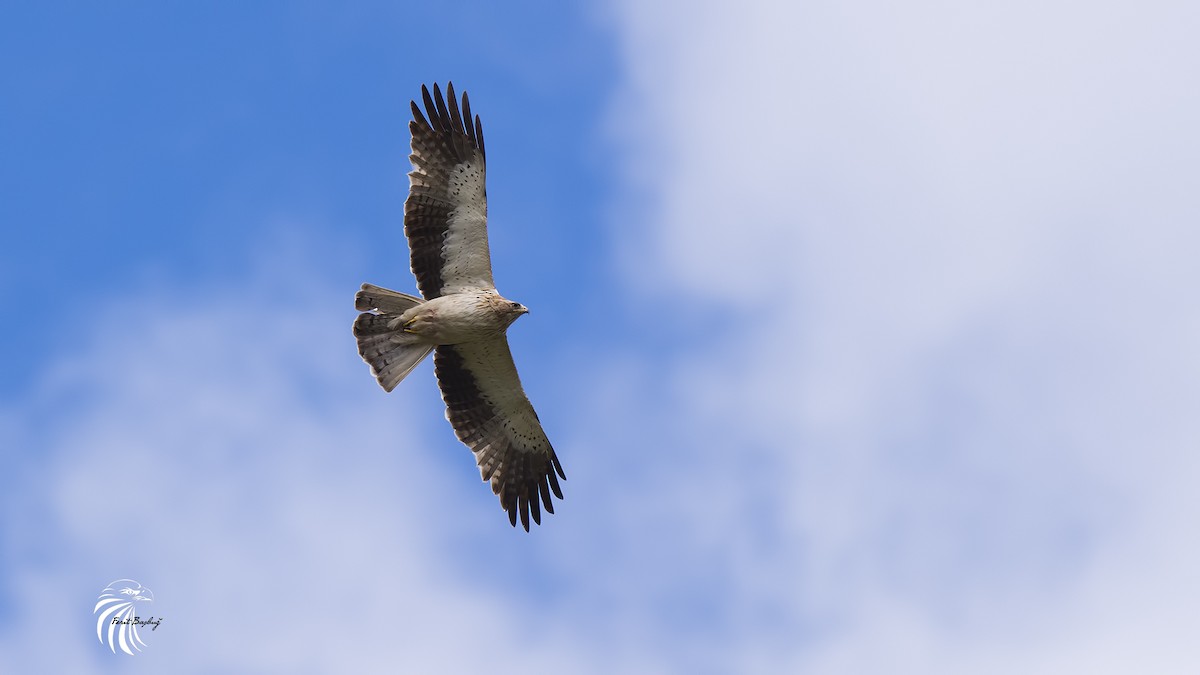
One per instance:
(119, 615)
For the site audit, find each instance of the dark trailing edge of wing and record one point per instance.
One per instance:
(442, 137)
(525, 476)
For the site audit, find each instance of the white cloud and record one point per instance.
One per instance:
(227, 448)
(928, 407)
(941, 257)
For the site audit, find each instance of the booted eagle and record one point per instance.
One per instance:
(463, 320)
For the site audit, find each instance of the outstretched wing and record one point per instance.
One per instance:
(491, 414)
(445, 217)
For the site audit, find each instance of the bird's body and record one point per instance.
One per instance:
(462, 317)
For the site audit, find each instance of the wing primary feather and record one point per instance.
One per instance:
(557, 466)
(554, 485)
(430, 108)
(545, 492)
(441, 108)
(455, 118)
(466, 115)
(523, 504)
(533, 506)
(458, 133)
(510, 505)
(418, 118)
(479, 137)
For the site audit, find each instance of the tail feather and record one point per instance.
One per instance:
(391, 353)
(371, 297)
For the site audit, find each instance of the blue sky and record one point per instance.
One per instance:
(866, 334)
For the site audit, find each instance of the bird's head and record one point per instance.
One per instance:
(504, 311)
(512, 310)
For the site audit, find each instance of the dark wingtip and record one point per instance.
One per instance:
(418, 118)
(443, 118)
(534, 508)
(479, 136)
(442, 113)
(508, 500)
(430, 108)
(456, 119)
(466, 116)
(544, 490)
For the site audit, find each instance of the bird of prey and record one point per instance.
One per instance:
(462, 319)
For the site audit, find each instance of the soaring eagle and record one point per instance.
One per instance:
(462, 318)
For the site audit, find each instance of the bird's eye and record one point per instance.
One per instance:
(516, 305)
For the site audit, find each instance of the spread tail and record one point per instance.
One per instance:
(391, 352)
